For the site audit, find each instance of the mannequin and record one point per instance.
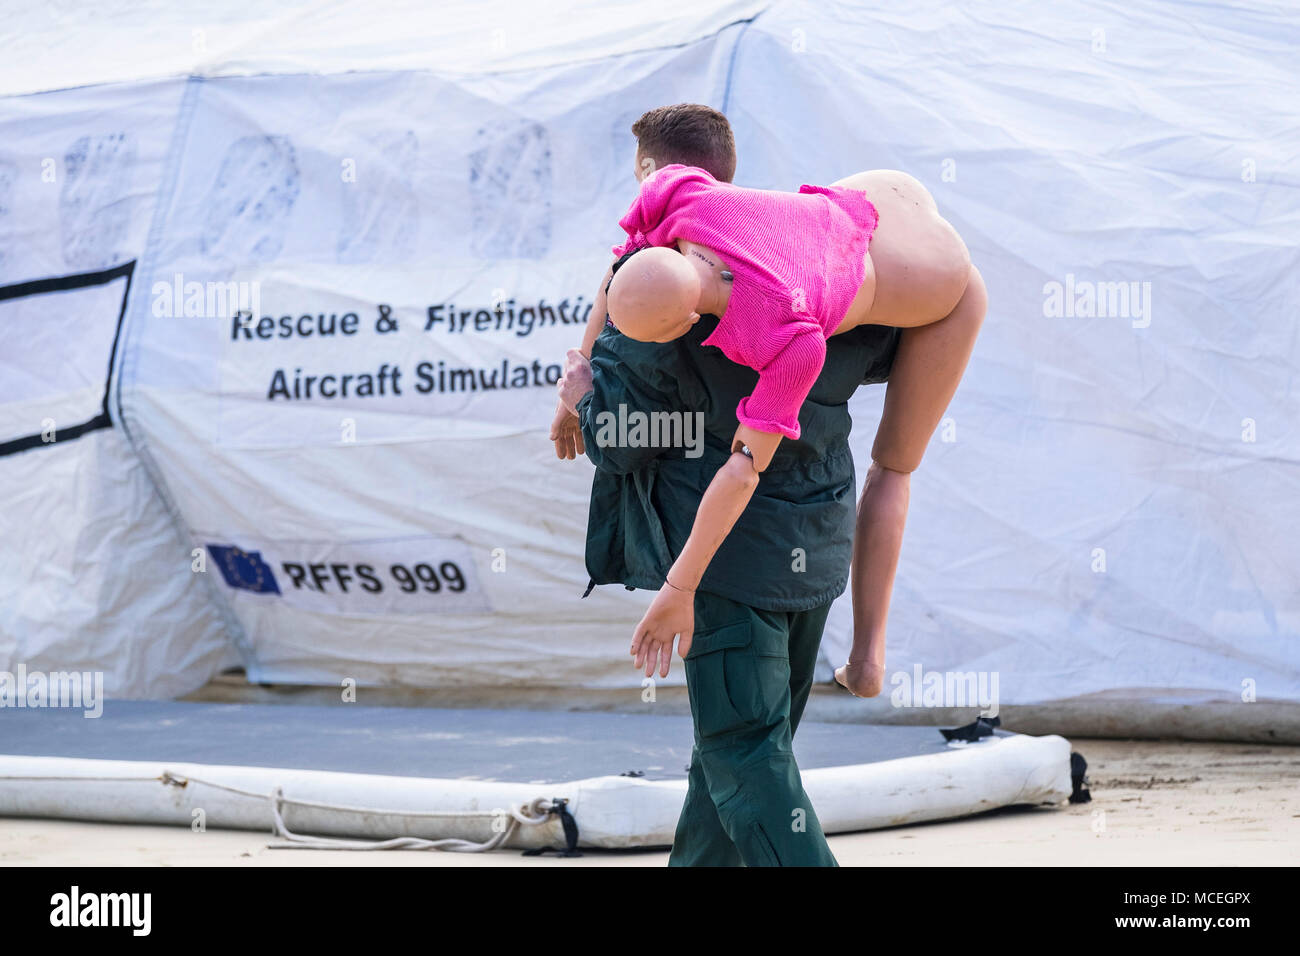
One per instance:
(909, 269)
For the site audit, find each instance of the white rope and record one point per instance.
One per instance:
(533, 813)
(521, 814)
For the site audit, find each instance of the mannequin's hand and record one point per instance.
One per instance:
(670, 614)
(575, 381)
(566, 432)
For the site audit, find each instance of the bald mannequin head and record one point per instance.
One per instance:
(654, 295)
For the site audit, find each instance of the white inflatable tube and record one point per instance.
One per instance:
(611, 812)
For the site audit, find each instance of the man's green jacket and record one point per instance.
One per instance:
(791, 548)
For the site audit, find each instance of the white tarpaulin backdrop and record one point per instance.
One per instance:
(355, 482)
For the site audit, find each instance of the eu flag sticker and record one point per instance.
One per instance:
(244, 570)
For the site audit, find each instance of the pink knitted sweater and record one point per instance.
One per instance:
(797, 262)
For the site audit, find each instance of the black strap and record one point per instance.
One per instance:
(591, 585)
(618, 263)
(1078, 767)
(560, 807)
(570, 826)
(982, 727)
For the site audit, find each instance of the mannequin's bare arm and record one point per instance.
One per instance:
(672, 613)
(566, 432)
(724, 500)
(596, 321)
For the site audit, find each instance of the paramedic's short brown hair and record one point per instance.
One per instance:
(690, 134)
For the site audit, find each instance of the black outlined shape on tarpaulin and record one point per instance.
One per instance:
(80, 280)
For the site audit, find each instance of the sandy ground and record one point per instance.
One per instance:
(1154, 803)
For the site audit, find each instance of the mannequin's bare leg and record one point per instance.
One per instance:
(877, 540)
(927, 368)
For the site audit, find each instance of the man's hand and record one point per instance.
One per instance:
(566, 432)
(576, 380)
(670, 614)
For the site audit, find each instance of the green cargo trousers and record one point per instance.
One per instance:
(749, 673)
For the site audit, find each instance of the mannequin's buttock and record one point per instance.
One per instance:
(916, 267)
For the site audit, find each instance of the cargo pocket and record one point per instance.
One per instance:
(762, 846)
(722, 680)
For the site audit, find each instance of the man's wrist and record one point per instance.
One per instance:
(680, 578)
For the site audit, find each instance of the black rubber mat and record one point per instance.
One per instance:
(507, 745)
